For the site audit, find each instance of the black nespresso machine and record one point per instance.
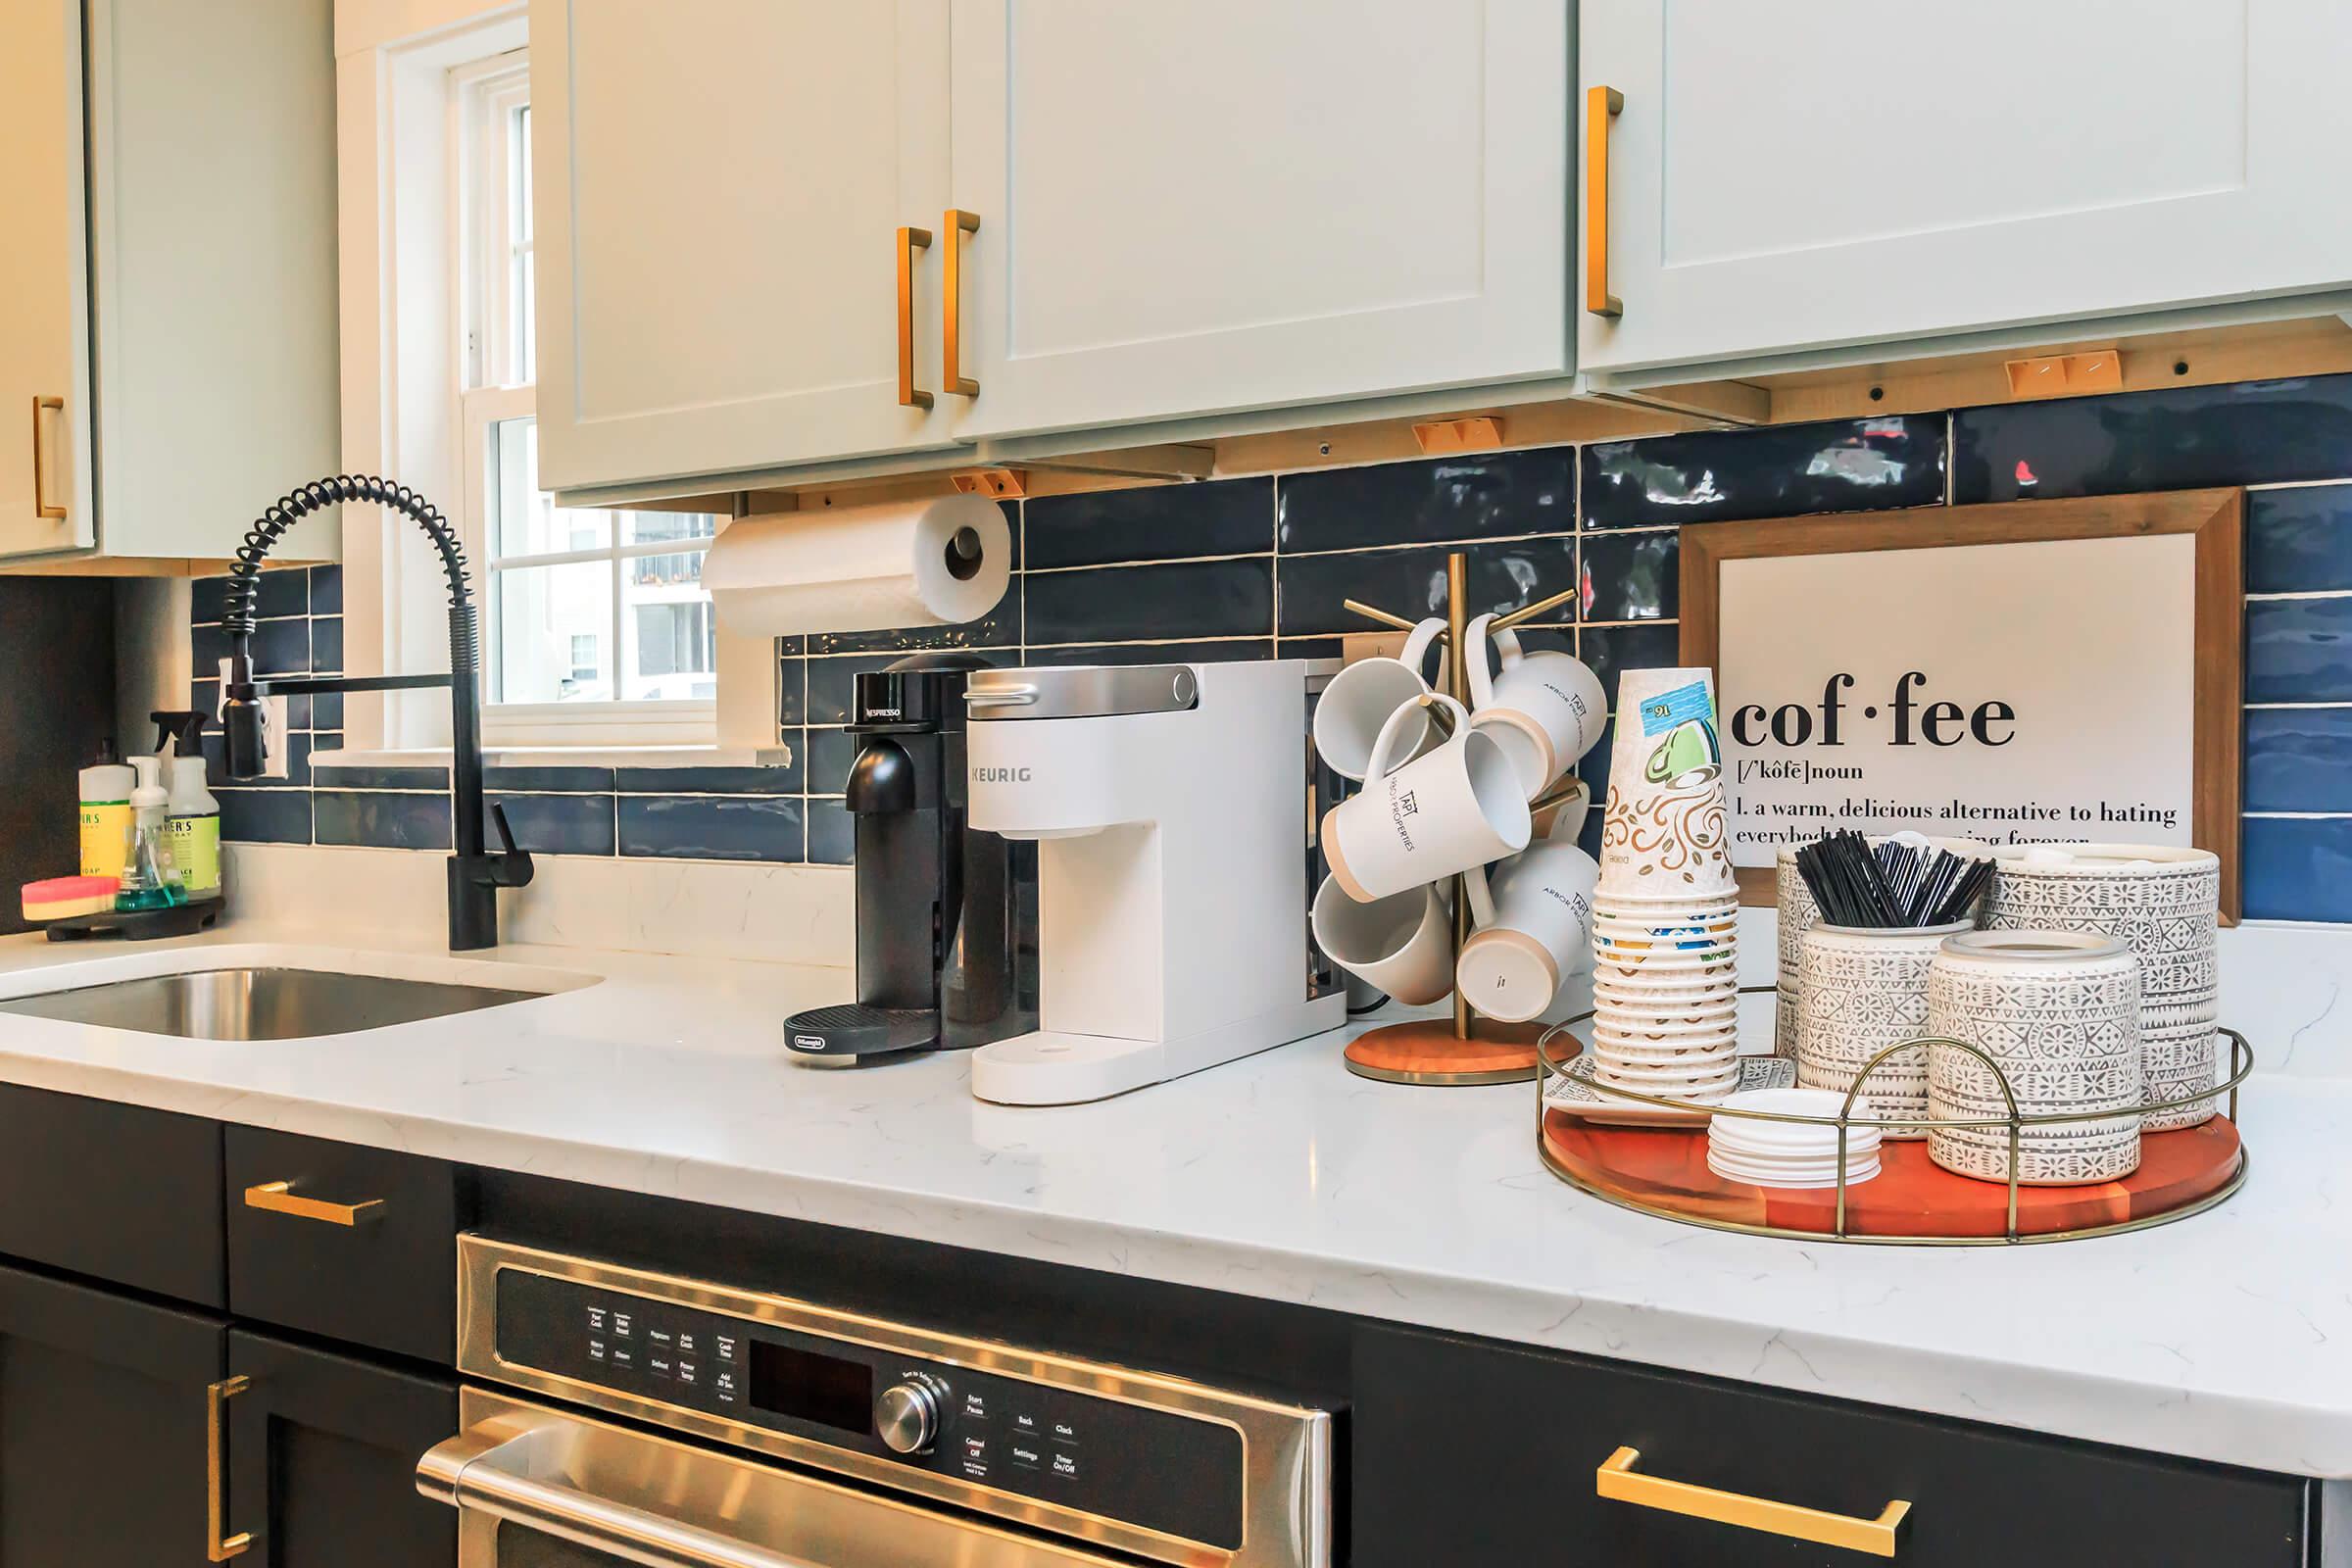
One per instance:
(947, 915)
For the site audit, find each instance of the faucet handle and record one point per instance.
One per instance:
(511, 867)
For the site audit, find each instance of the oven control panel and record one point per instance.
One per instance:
(1176, 1474)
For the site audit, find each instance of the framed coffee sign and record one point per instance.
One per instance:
(2027, 672)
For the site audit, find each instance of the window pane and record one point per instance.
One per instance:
(554, 627)
(526, 522)
(669, 648)
(660, 527)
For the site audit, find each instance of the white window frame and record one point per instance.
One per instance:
(486, 97)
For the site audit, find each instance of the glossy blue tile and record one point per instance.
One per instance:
(565, 780)
(384, 821)
(2299, 541)
(204, 696)
(2299, 651)
(1778, 471)
(830, 753)
(326, 644)
(1485, 495)
(1608, 650)
(1153, 523)
(2299, 760)
(326, 710)
(1411, 582)
(1633, 576)
(264, 817)
(1311, 648)
(1184, 599)
(280, 646)
(559, 825)
(713, 827)
(1156, 652)
(2297, 868)
(2181, 438)
(280, 592)
(783, 778)
(326, 590)
(832, 833)
(343, 776)
(792, 690)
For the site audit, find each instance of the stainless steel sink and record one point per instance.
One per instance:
(259, 1003)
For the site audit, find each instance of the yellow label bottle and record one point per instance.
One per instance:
(105, 836)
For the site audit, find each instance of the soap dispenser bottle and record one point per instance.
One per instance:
(192, 813)
(150, 880)
(106, 786)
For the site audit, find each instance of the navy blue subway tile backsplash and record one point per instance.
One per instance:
(1257, 566)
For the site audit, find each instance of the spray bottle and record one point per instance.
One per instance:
(192, 813)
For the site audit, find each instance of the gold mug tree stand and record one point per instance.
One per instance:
(1469, 1048)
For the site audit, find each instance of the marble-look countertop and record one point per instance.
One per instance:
(2227, 1337)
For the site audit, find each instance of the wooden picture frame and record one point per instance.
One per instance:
(2217, 520)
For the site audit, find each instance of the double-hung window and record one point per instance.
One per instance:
(597, 629)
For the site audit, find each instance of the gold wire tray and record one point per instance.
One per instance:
(1715, 1211)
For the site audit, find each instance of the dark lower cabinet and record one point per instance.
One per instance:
(323, 1459)
(102, 1427)
(1470, 1452)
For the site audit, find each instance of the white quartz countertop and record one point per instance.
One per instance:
(2227, 1337)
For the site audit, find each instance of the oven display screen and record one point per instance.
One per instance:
(812, 1387)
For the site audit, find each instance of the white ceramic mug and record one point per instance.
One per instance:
(1454, 806)
(1533, 915)
(1402, 944)
(1361, 696)
(1546, 709)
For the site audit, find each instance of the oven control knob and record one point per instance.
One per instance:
(908, 1417)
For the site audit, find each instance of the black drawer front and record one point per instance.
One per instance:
(388, 1281)
(119, 1193)
(1465, 1451)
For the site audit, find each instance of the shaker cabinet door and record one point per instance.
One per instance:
(1224, 205)
(323, 1450)
(44, 353)
(716, 194)
(102, 1427)
(1781, 180)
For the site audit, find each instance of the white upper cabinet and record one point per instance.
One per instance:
(1846, 172)
(717, 193)
(168, 337)
(44, 354)
(1218, 205)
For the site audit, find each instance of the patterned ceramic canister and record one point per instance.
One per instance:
(2058, 1012)
(2163, 902)
(1797, 914)
(1863, 992)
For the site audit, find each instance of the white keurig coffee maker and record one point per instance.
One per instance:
(1168, 807)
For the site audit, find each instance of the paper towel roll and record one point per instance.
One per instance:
(860, 568)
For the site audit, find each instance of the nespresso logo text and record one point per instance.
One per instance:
(882, 713)
(999, 775)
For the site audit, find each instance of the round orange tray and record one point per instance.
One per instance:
(1663, 1171)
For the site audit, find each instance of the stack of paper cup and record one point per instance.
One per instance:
(1665, 924)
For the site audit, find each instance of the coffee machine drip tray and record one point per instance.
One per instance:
(854, 1033)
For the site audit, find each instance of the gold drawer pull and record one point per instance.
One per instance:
(956, 222)
(1619, 1482)
(40, 507)
(911, 240)
(217, 1546)
(278, 1198)
(1601, 105)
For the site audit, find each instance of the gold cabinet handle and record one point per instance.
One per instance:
(1619, 1482)
(911, 240)
(957, 222)
(1601, 105)
(41, 488)
(278, 1198)
(218, 1548)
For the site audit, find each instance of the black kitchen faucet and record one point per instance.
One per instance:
(475, 873)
